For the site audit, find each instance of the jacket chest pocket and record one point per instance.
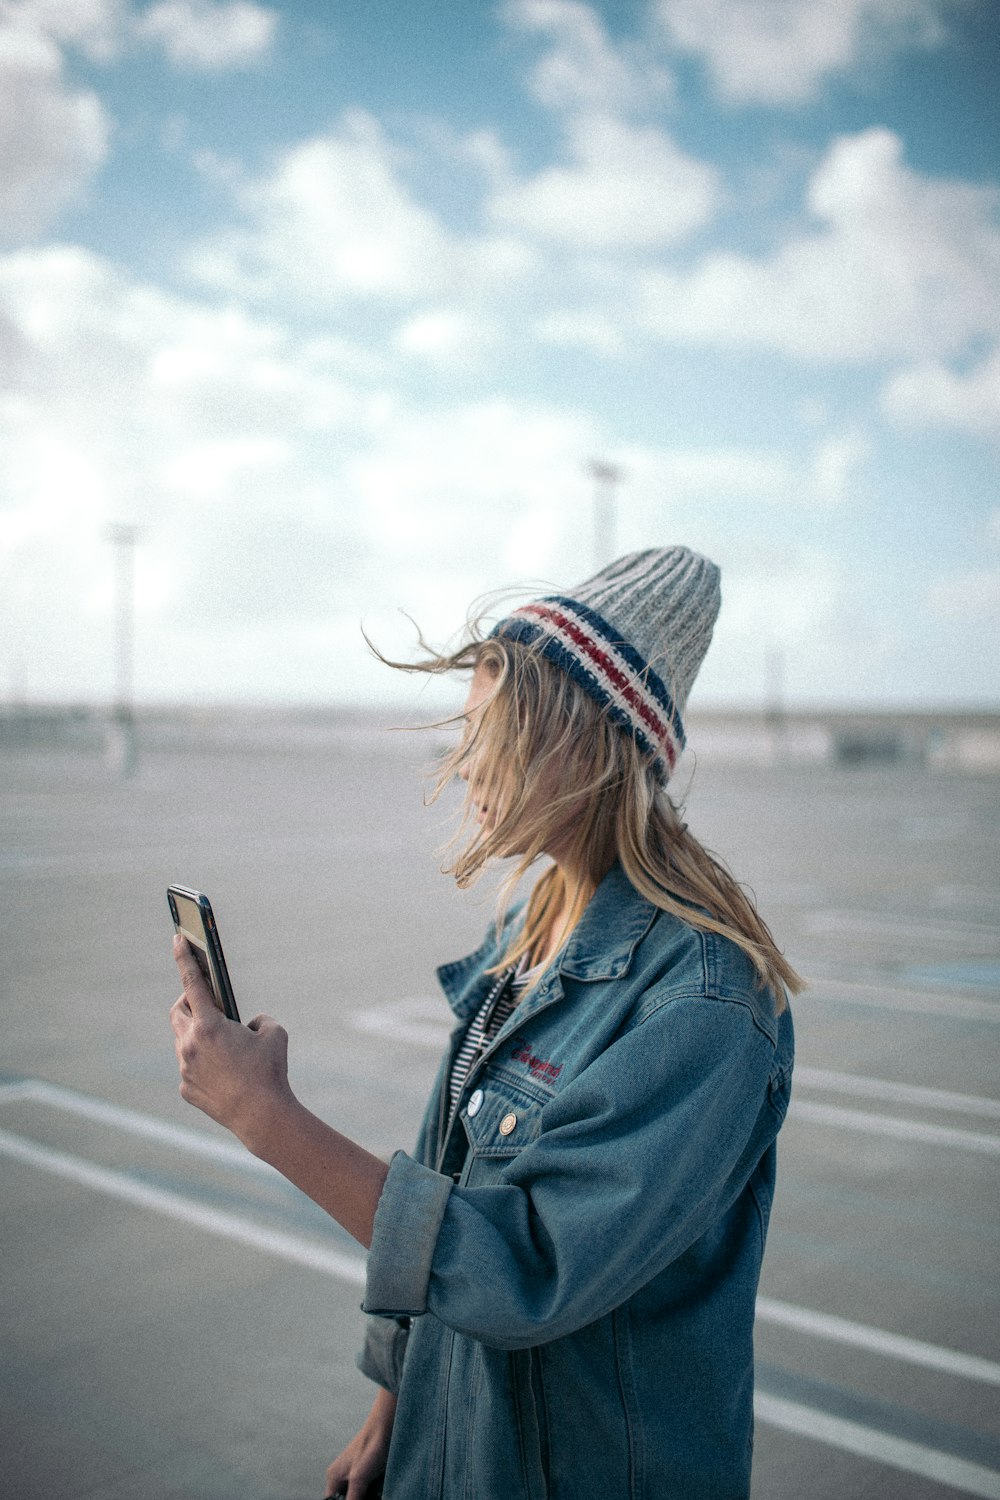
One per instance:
(499, 1121)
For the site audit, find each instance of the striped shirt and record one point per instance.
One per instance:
(499, 1005)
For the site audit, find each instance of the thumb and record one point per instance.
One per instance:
(196, 988)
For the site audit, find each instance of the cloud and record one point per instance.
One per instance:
(456, 484)
(590, 329)
(222, 436)
(971, 598)
(203, 35)
(833, 474)
(448, 337)
(625, 187)
(898, 265)
(581, 68)
(710, 477)
(207, 36)
(932, 395)
(790, 596)
(93, 27)
(283, 488)
(124, 400)
(782, 52)
(334, 220)
(89, 342)
(287, 490)
(53, 136)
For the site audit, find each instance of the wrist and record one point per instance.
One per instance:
(267, 1120)
(382, 1416)
(385, 1402)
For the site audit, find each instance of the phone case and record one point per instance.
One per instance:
(211, 960)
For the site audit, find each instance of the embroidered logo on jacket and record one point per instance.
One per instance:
(538, 1067)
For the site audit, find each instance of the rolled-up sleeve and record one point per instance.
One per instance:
(404, 1237)
(635, 1159)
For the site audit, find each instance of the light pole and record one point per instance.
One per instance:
(124, 744)
(607, 477)
(774, 698)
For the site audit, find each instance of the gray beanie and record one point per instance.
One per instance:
(633, 637)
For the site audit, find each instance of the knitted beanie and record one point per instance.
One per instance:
(633, 637)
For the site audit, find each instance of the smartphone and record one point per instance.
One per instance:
(192, 914)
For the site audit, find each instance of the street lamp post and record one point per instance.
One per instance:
(774, 699)
(124, 740)
(607, 477)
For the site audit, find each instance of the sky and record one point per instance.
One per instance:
(336, 303)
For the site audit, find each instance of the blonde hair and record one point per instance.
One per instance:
(560, 778)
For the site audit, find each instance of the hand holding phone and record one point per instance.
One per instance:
(228, 1072)
(192, 916)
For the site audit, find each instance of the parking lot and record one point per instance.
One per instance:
(178, 1322)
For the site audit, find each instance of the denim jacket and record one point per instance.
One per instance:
(565, 1285)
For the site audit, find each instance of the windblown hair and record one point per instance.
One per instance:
(559, 777)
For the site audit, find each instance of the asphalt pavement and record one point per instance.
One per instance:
(178, 1322)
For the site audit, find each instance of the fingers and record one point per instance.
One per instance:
(338, 1478)
(336, 1481)
(360, 1482)
(187, 964)
(263, 1024)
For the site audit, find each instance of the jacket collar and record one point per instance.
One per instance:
(602, 945)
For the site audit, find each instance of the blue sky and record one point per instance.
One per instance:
(336, 302)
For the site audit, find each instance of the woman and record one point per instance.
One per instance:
(561, 1278)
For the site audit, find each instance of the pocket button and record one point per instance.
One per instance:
(507, 1124)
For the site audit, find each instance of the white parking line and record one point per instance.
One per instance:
(132, 1122)
(808, 1421)
(912, 929)
(870, 1443)
(420, 1020)
(878, 1340)
(897, 1093)
(305, 1252)
(200, 1143)
(290, 1247)
(887, 997)
(890, 1125)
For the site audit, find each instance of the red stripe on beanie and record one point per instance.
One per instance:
(589, 647)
